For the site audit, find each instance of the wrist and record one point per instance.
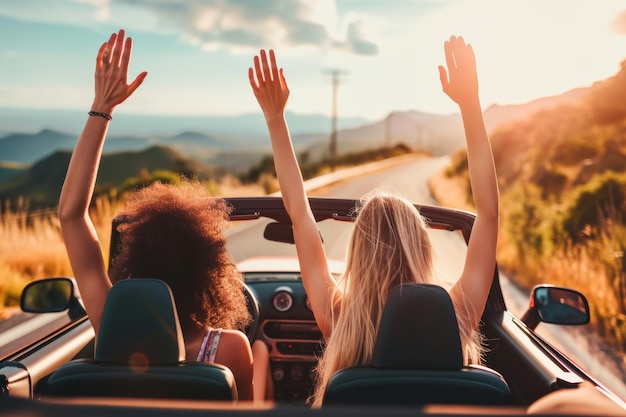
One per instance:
(102, 107)
(274, 118)
(104, 115)
(470, 106)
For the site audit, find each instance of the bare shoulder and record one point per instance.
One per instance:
(234, 343)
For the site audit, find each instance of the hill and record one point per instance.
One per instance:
(9, 170)
(563, 142)
(497, 116)
(42, 182)
(562, 147)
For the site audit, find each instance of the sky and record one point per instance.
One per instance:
(197, 52)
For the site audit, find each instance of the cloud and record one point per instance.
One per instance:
(102, 11)
(618, 25)
(243, 24)
(357, 40)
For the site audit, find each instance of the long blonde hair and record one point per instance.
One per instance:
(389, 246)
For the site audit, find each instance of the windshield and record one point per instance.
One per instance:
(246, 241)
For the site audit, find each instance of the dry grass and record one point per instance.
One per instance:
(597, 269)
(230, 186)
(32, 247)
(449, 191)
(580, 268)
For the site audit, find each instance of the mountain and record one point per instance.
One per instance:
(210, 139)
(118, 166)
(246, 127)
(199, 145)
(28, 148)
(236, 143)
(438, 134)
(42, 182)
(501, 115)
(40, 159)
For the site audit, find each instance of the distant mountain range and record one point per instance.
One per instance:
(34, 164)
(247, 127)
(42, 181)
(210, 139)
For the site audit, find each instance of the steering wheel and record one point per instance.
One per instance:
(255, 313)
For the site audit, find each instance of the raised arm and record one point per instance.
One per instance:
(460, 83)
(79, 234)
(271, 91)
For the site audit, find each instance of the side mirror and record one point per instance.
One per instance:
(50, 295)
(556, 305)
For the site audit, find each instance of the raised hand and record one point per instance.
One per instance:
(111, 76)
(460, 81)
(269, 85)
(271, 91)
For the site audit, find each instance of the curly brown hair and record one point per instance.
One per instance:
(176, 233)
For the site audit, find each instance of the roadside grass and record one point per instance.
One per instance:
(32, 247)
(596, 268)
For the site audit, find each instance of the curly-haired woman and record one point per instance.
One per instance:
(170, 233)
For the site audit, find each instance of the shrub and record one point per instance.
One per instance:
(591, 203)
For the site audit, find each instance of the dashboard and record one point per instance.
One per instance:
(287, 326)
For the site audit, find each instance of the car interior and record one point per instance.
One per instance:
(421, 369)
(140, 352)
(420, 366)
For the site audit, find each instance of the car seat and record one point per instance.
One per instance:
(418, 358)
(140, 353)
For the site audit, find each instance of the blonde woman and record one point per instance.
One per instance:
(389, 245)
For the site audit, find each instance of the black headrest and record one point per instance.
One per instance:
(418, 330)
(140, 325)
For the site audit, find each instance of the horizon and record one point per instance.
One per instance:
(197, 53)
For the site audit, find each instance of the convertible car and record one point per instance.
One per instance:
(51, 363)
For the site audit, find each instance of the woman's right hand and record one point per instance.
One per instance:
(111, 76)
(269, 85)
(460, 80)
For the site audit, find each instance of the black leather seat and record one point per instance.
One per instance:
(417, 358)
(140, 353)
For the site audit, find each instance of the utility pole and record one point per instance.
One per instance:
(335, 74)
(388, 130)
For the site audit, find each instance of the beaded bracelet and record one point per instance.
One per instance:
(101, 114)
